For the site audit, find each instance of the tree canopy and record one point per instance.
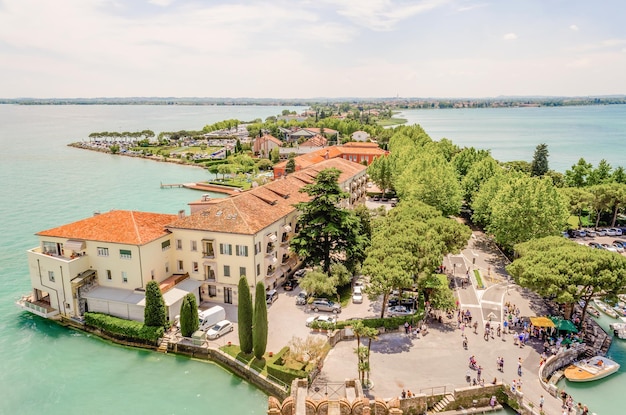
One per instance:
(408, 244)
(154, 312)
(327, 231)
(517, 208)
(244, 315)
(566, 271)
(539, 166)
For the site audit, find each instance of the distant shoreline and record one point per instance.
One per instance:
(392, 102)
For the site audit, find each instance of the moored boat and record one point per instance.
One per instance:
(594, 368)
(619, 329)
(605, 308)
(593, 311)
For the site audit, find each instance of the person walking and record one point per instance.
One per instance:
(519, 366)
(541, 400)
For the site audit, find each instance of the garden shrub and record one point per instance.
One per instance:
(128, 330)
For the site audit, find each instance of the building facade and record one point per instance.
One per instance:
(103, 263)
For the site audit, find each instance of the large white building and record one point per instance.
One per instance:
(103, 263)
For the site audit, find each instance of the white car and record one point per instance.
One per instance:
(610, 232)
(322, 319)
(357, 295)
(400, 310)
(219, 329)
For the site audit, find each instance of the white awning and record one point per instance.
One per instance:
(74, 245)
(287, 228)
(274, 260)
(271, 237)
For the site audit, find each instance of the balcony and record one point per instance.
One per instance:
(41, 307)
(208, 254)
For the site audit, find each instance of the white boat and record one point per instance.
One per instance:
(619, 329)
(593, 311)
(605, 308)
(594, 368)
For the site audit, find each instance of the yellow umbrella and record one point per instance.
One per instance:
(542, 322)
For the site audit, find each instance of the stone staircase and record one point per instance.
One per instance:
(443, 404)
(164, 343)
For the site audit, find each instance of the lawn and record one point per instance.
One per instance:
(391, 121)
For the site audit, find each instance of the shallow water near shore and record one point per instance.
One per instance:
(50, 369)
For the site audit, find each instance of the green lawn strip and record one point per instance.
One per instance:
(391, 121)
(479, 280)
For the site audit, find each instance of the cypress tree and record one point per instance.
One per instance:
(259, 330)
(244, 314)
(154, 313)
(189, 316)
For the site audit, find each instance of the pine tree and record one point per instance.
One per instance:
(245, 315)
(259, 330)
(189, 316)
(539, 165)
(154, 313)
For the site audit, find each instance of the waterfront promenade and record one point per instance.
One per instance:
(437, 359)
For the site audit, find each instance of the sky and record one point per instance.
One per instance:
(312, 48)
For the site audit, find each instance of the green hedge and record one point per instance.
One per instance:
(277, 369)
(389, 323)
(128, 330)
(224, 184)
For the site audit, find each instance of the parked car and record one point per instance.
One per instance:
(290, 284)
(618, 231)
(591, 233)
(610, 232)
(400, 310)
(581, 233)
(601, 232)
(301, 298)
(609, 247)
(618, 247)
(621, 243)
(596, 245)
(271, 296)
(300, 273)
(357, 295)
(219, 329)
(321, 319)
(322, 304)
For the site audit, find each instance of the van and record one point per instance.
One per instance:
(208, 318)
(271, 296)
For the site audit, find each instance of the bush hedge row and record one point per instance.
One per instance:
(128, 330)
(278, 370)
(389, 323)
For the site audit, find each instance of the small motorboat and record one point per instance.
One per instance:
(619, 329)
(593, 311)
(605, 308)
(594, 368)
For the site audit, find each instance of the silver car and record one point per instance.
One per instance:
(322, 304)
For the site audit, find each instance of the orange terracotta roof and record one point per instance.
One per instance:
(117, 226)
(269, 137)
(315, 141)
(249, 212)
(319, 130)
(252, 211)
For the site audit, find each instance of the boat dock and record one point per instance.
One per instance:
(205, 187)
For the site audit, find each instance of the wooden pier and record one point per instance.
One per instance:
(203, 187)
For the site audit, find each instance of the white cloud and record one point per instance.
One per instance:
(162, 3)
(383, 15)
(471, 7)
(509, 36)
(574, 28)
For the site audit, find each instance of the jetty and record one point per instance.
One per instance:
(205, 187)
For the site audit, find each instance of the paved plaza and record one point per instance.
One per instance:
(437, 360)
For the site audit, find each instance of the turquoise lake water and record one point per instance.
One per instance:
(53, 370)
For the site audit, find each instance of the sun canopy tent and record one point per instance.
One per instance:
(564, 325)
(542, 322)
